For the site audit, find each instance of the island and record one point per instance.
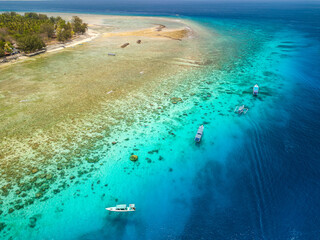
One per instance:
(31, 32)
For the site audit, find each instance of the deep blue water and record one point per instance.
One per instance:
(277, 195)
(268, 185)
(273, 188)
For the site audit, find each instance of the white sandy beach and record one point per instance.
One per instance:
(114, 26)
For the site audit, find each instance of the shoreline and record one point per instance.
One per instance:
(87, 37)
(80, 39)
(94, 20)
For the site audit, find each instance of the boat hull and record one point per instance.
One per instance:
(111, 209)
(199, 134)
(255, 90)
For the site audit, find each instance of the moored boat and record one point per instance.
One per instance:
(255, 90)
(199, 134)
(241, 110)
(122, 208)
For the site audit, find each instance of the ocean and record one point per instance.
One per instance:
(254, 176)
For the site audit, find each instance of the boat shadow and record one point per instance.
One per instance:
(115, 226)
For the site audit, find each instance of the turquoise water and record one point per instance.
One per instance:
(252, 177)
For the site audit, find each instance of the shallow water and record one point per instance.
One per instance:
(252, 177)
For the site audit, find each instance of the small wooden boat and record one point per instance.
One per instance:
(125, 45)
(241, 110)
(122, 208)
(255, 90)
(199, 134)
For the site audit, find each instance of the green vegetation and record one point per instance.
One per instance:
(31, 31)
(64, 30)
(31, 43)
(78, 25)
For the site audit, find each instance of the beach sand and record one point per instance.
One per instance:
(114, 26)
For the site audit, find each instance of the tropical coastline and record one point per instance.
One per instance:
(159, 31)
(89, 36)
(112, 120)
(53, 43)
(59, 116)
(81, 39)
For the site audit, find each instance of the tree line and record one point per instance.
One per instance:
(30, 32)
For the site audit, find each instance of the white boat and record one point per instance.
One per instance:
(199, 134)
(241, 110)
(122, 208)
(255, 90)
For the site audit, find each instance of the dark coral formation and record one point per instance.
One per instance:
(133, 158)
